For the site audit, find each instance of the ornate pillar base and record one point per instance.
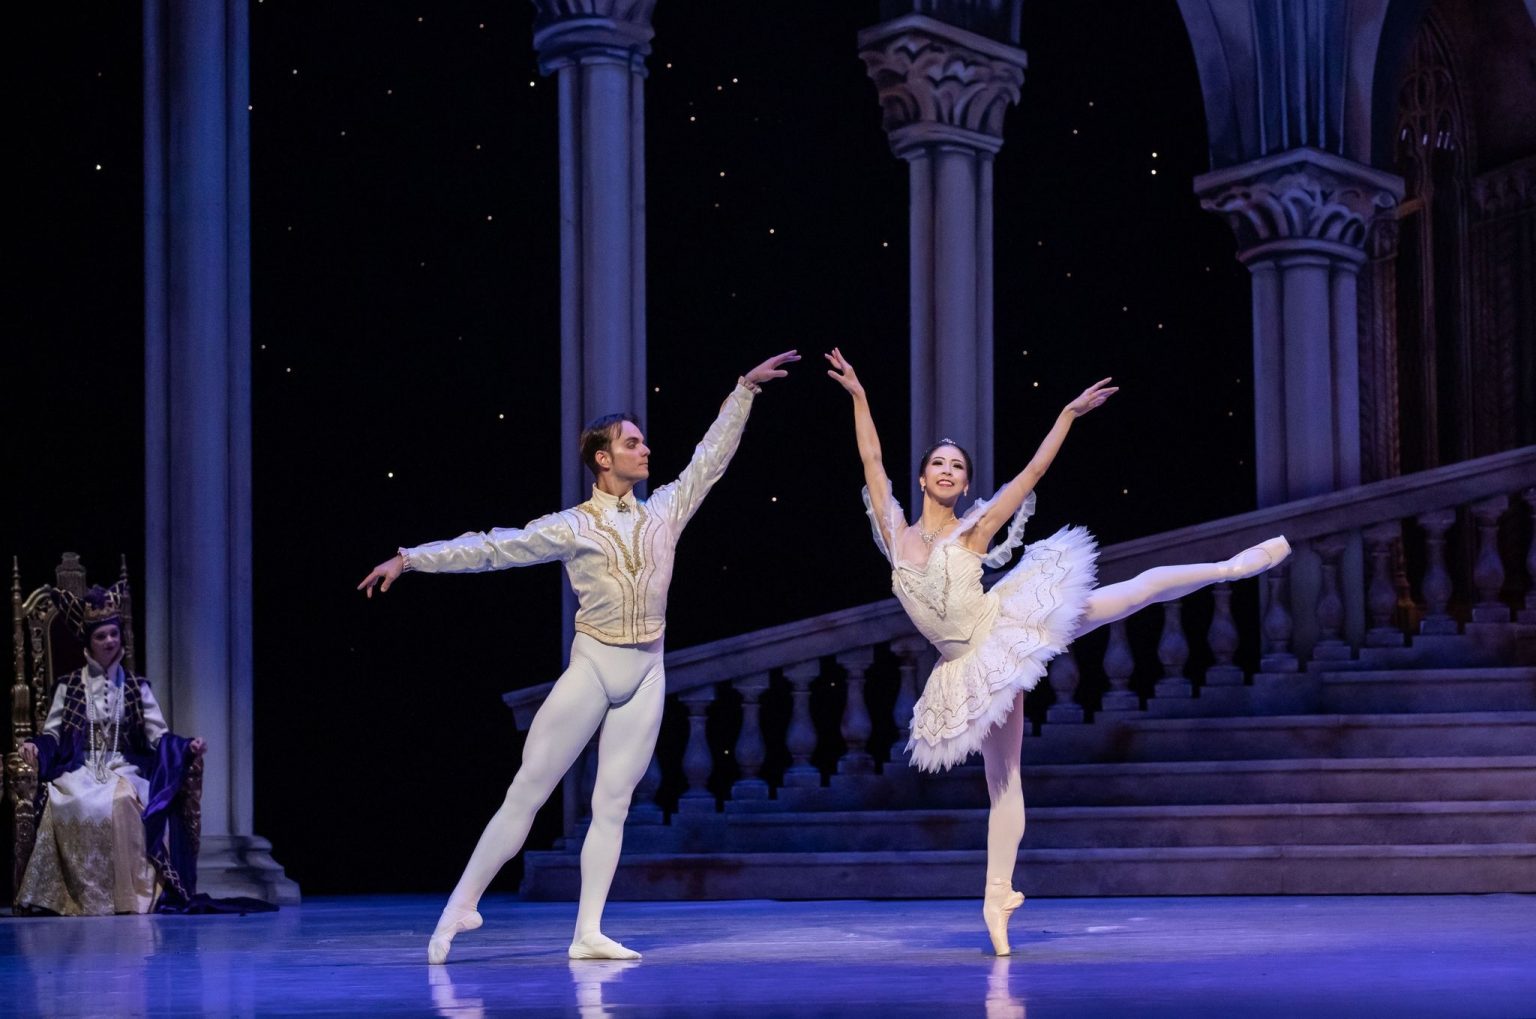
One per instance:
(231, 865)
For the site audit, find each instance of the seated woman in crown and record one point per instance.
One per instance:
(110, 775)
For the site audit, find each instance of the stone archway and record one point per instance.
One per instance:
(1454, 325)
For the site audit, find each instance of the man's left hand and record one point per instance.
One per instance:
(769, 369)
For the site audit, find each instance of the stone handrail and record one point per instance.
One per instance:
(1323, 515)
(1303, 520)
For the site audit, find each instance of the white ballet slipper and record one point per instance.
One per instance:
(453, 921)
(1252, 561)
(996, 909)
(599, 946)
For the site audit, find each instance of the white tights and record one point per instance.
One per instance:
(1001, 747)
(618, 688)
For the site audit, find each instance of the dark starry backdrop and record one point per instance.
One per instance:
(405, 262)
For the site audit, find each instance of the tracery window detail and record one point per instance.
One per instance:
(1434, 342)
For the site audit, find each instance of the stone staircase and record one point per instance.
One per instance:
(1406, 765)
(1347, 804)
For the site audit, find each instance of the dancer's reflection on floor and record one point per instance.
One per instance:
(447, 1003)
(1000, 1003)
(589, 976)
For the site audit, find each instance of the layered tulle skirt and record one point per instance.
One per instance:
(1039, 606)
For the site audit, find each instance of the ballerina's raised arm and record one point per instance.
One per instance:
(1012, 495)
(875, 479)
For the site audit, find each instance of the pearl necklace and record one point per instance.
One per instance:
(101, 766)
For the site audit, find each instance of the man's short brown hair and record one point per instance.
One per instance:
(599, 435)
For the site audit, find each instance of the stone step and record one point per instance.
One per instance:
(1099, 827)
(1429, 690)
(1439, 734)
(1191, 870)
(1298, 780)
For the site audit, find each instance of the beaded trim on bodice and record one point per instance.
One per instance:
(926, 585)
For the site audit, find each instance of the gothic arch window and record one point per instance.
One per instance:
(1434, 342)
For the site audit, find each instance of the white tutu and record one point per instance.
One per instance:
(1038, 605)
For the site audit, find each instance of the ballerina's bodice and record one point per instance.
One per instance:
(944, 598)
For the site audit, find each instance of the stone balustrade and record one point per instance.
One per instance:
(1450, 580)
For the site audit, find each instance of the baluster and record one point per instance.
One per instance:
(643, 808)
(698, 762)
(1381, 596)
(1173, 652)
(907, 651)
(750, 750)
(801, 737)
(1119, 666)
(1330, 646)
(1064, 675)
(1436, 585)
(1278, 625)
(1222, 638)
(856, 725)
(1528, 614)
(1488, 572)
(1408, 614)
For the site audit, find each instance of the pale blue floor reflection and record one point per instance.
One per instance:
(1254, 958)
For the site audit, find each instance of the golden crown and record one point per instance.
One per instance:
(99, 606)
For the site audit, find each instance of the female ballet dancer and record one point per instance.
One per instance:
(618, 553)
(994, 645)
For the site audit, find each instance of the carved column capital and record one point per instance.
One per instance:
(1505, 190)
(939, 84)
(1304, 201)
(1384, 238)
(566, 32)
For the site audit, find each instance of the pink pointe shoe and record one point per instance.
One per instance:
(1252, 561)
(452, 922)
(996, 909)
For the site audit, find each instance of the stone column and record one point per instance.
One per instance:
(197, 472)
(596, 51)
(943, 92)
(1302, 218)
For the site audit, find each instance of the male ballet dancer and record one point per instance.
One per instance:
(617, 552)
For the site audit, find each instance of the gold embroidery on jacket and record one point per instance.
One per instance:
(634, 562)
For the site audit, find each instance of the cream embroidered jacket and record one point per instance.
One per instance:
(617, 553)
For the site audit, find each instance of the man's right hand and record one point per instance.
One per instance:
(388, 571)
(28, 751)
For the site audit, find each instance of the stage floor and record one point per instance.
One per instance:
(1464, 956)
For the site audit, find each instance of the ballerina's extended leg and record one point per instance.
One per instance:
(1168, 583)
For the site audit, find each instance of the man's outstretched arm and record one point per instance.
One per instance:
(541, 541)
(681, 498)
